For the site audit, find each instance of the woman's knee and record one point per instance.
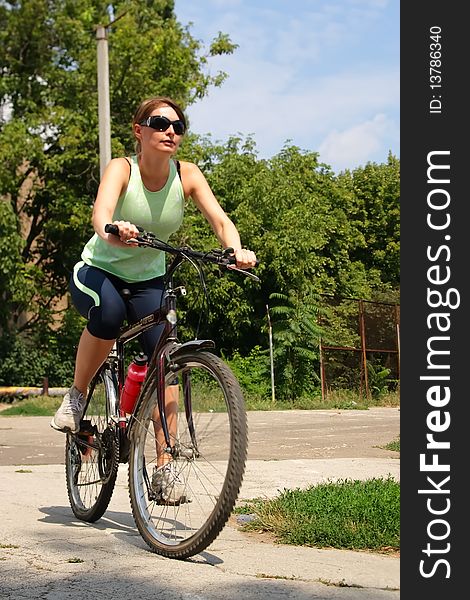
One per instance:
(106, 319)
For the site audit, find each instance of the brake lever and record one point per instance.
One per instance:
(141, 240)
(243, 272)
(229, 252)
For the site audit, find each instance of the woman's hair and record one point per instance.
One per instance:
(147, 106)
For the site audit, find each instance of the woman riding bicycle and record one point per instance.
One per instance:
(148, 190)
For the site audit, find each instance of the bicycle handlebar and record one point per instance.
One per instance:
(219, 257)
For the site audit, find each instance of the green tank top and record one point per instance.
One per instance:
(158, 212)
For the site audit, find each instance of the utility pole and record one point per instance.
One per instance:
(104, 119)
(271, 355)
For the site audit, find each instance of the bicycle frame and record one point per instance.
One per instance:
(166, 349)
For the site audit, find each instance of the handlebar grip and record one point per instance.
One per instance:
(110, 228)
(233, 261)
(228, 253)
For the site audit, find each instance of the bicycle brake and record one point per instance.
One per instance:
(243, 272)
(180, 290)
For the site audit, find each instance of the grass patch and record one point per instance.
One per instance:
(351, 399)
(265, 576)
(37, 406)
(337, 399)
(393, 445)
(74, 559)
(304, 403)
(208, 399)
(347, 514)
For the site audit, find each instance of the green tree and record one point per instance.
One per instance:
(375, 210)
(49, 171)
(307, 227)
(293, 211)
(296, 337)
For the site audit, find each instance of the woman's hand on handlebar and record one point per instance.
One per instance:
(127, 232)
(246, 259)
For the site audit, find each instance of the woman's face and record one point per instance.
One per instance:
(166, 141)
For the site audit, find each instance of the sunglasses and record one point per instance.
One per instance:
(161, 123)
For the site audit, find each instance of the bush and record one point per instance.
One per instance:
(24, 363)
(252, 372)
(21, 363)
(26, 360)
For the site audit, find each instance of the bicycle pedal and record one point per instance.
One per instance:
(86, 444)
(86, 428)
(161, 502)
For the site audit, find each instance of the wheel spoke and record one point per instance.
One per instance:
(184, 527)
(91, 456)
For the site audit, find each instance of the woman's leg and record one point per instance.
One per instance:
(147, 297)
(96, 298)
(91, 354)
(171, 411)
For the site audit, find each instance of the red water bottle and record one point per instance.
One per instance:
(135, 376)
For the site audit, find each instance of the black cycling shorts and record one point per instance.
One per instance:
(95, 294)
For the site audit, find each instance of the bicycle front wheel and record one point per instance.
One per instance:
(92, 455)
(209, 447)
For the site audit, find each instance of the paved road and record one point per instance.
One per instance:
(47, 554)
(274, 435)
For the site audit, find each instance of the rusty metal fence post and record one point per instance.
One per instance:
(372, 334)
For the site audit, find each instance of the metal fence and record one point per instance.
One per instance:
(360, 345)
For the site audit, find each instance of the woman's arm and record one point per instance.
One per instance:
(196, 186)
(113, 184)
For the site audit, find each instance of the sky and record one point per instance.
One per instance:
(321, 75)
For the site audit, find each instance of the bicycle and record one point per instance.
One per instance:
(209, 446)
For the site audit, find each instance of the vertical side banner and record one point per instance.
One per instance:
(435, 269)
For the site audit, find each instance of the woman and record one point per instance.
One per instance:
(146, 190)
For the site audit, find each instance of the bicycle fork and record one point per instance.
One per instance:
(190, 452)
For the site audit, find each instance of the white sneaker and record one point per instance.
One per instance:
(67, 417)
(167, 485)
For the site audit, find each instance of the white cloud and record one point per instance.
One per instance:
(357, 144)
(305, 72)
(263, 102)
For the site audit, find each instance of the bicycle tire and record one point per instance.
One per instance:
(211, 475)
(92, 455)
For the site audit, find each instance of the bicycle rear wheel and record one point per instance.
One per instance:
(92, 455)
(209, 455)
